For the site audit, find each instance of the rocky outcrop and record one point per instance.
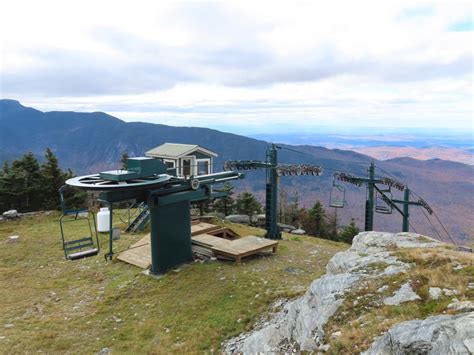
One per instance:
(444, 334)
(299, 325)
(404, 294)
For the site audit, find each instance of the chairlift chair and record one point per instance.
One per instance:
(337, 195)
(82, 247)
(382, 205)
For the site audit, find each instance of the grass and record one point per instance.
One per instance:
(52, 305)
(362, 321)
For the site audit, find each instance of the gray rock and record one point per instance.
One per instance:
(435, 293)
(448, 292)
(444, 334)
(404, 294)
(10, 214)
(298, 231)
(301, 321)
(286, 227)
(461, 306)
(13, 238)
(299, 325)
(238, 218)
(105, 351)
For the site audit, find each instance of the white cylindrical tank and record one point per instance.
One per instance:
(103, 220)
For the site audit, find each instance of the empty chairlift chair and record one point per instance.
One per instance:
(337, 195)
(88, 243)
(383, 202)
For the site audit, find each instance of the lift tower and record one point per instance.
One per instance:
(380, 200)
(274, 172)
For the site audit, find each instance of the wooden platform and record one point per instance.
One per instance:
(234, 249)
(139, 254)
(202, 227)
(204, 243)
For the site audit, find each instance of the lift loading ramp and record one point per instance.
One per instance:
(206, 244)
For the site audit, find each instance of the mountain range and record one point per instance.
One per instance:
(93, 142)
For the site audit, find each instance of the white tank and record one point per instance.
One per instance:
(103, 220)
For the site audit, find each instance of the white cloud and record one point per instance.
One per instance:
(243, 65)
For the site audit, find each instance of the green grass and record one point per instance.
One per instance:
(52, 305)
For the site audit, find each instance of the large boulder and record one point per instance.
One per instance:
(444, 334)
(299, 326)
(286, 227)
(10, 214)
(238, 218)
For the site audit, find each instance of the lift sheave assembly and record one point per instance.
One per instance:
(168, 198)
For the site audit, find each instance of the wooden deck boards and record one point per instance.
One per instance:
(139, 254)
(202, 228)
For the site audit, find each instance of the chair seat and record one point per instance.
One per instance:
(83, 254)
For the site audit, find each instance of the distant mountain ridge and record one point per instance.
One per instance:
(92, 142)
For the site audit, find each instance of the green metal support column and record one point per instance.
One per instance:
(170, 235)
(369, 206)
(272, 196)
(406, 212)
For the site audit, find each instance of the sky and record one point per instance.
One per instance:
(245, 66)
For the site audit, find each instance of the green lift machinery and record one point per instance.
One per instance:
(274, 171)
(168, 198)
(380, 199)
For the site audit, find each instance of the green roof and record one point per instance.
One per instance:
(175, 151)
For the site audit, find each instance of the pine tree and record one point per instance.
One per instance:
(53, 178)
(123, 160)
(349, 232)
(225, 204)
(247, 204)
(25, 184)
(317, 215)
(332, 222)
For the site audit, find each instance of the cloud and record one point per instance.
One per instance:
(247, 62)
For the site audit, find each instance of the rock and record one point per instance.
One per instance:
(336, 334)
(449, 292)
(435, 293)
(382, 289)
(299, 325)
(238, 218)
(286, 227)
(461, 306)
(299, 321)
(324, 347)
(13, 238)
(298, 231)
(444, 334)
(8, 325)
(10, 214)
(404, 294)
(105, 351)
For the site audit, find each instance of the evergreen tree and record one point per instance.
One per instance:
(349, 232)
(332, 222)
(225, 204)
(74, 198)
(123, 160)
(24, 184)
(27, 186)
(317, 220)
(247, 204)
(53, 178)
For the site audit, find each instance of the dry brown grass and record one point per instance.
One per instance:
(361, 321)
